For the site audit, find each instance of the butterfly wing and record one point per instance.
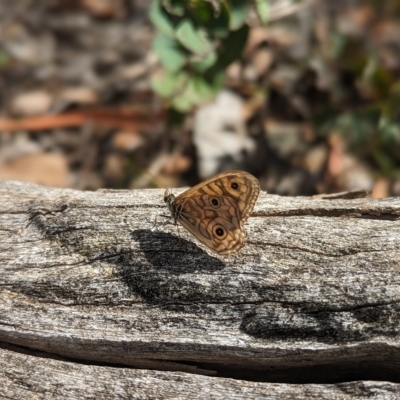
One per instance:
(242, 187)
(214, 211)
(219, 228)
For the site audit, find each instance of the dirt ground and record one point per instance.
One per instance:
(312, 106)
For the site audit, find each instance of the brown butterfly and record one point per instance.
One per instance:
(215, 210)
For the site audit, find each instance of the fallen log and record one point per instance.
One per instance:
(313, 298)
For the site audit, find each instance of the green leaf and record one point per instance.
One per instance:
(169, 83)
(195, 93)
(212, 16)
(218, 81)
(337, 44)
(218, 25)
(232, 47)
(201, 11)
(203, 64)
(170, 53)
(239, 10)
(191, 38)
(199, 90)
(182, 103)
(390, 131)
(160, 19)
(175, 7)
(262, 9)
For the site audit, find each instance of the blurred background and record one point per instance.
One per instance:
(303, 94)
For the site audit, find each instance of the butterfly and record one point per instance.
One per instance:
(214, 211)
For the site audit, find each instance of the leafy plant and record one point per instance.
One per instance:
(370, 123)
(196, 41)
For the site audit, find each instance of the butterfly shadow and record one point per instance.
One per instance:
(167, 251)
(162, 266)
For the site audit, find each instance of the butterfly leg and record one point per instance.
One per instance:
(155, 222)
(159, 215)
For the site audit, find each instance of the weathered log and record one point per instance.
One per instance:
(314, 297)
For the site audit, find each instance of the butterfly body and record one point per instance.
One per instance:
(214, 211)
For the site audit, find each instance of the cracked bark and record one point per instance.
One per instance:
(86, 285)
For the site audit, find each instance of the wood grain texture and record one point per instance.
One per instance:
(27, 377)
(313, 297)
